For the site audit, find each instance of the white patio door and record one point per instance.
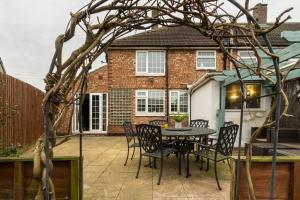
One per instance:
(75, 124)
(95, 112)
(97, 109)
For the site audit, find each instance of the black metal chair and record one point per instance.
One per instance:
(150, 140)
(220, 151)
(198, 123)
(167, 142)
(130, 138)
(158, 122)
(210, 139)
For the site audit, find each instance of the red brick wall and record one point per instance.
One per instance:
(182, 71)
(97, 83)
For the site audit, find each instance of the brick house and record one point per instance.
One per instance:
(147, 76)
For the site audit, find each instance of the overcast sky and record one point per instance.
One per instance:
(29, 28)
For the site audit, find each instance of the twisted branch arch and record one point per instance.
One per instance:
(104, 21)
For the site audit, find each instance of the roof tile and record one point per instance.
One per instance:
(183, 36)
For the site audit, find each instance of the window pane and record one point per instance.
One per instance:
(141, 62)
(206, 54)
(141, 105)
(104, 112)
(206, 59)
(253, 94)
(141, 94)
(95, 112)
(233, 96)
(247, 57)
(155, 101)
(183, 102)
(174, 101)
(156, 62)
(206, 62)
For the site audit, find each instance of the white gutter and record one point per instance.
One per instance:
(202, 81)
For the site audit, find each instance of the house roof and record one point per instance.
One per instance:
(183, 36)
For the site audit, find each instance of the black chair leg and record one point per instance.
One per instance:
(188, 165)
(207, 164)
(179, 166)
(228, 163)
(201, 163)
(160, 172)
(154, 163)
(133, 153)
(140, 162)
(216, 175)
(126, 156)
(150, 162)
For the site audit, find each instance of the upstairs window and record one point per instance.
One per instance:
(247, 57)
(150, 102)
(206, 60)
(178, 102)
(150, 63)
(233, 96)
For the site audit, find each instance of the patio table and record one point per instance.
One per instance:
(187, 132)
(184, 134)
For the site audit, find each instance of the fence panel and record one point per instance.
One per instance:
(25, 125)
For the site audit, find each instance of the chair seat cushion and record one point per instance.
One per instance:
(210, 154)
(157, 154)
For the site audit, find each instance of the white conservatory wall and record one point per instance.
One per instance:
(205, 103)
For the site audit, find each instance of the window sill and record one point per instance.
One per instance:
(206, 69)
(178, 113)
(150, 114)
(246, 110)
(142, 75)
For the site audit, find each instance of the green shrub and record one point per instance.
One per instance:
(12, 151)
(179, 117)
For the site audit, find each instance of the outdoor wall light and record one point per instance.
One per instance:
(234, 96)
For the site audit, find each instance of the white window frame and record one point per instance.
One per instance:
(147, 69)
(147, 113)
(246, 57)
(206, 68)
(178, 96)
(75, 126)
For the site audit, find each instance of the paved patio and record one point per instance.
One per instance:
(105, 176)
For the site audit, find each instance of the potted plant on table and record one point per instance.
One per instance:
(179, 118)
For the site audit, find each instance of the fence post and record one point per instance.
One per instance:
(18, 180)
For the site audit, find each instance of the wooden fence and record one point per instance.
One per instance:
(25, 125)
(17, 182)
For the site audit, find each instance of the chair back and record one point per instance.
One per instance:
(229, 123)
(129, 133)
(157, 122)
(226, 139)
(150, 137)
(199, 123)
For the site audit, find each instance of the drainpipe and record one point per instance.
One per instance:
(190, 106)
(221, 113)
(167, 84)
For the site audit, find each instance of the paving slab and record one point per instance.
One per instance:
(106, 177)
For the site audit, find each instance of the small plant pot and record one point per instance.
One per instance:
(178, 124)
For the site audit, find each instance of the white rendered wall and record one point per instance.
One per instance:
(205, 103)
